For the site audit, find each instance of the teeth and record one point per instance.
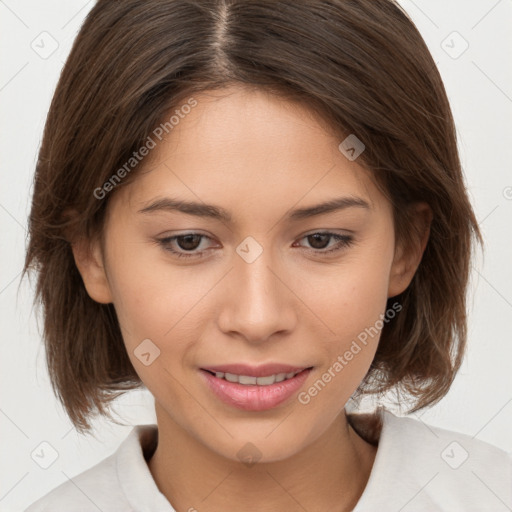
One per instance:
(244, 379)
(264, 381)
(251, 381)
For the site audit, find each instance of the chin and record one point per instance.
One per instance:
(261, 445)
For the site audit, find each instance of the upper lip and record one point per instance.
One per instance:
(263, 370)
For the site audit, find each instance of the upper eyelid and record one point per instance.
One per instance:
(332, 231)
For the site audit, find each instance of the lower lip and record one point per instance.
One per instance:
(253, 397)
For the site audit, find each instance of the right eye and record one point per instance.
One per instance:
(187, 244)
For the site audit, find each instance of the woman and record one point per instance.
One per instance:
(257, 211)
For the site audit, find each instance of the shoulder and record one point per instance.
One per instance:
(456, 448)
(422, 467)
(110, 484)
(84, 492)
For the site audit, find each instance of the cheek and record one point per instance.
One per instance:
(353, 297)
(152, 299)
(158, 323)
(352, 304)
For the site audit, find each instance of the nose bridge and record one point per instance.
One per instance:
(259, 304)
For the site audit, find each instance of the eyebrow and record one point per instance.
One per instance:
(169, 204)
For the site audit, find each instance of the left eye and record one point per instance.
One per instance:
(191, 241)
(318, 239)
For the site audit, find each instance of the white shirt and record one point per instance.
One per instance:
(417, 468)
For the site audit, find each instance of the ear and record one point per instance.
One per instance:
(89, 260)
(408, 254)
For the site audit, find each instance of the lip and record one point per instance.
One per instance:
(263, 370)
(254, 397)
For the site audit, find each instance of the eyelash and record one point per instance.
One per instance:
(344, 241)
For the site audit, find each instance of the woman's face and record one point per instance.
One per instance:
(262, 288)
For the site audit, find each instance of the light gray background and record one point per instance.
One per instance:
(479, 85)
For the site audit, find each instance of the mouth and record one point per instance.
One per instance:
(251, 380)
(254, 388)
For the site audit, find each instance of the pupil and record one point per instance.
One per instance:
(186, 246)
(316, 238)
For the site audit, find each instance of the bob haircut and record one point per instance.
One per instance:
(360, 65)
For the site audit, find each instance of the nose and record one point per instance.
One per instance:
(258, 302)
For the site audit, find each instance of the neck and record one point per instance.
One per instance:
(329, 474)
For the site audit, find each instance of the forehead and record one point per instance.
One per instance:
(248, 149)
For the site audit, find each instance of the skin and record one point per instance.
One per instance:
(258, 157)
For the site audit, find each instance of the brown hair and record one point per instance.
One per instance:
(360, 64)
